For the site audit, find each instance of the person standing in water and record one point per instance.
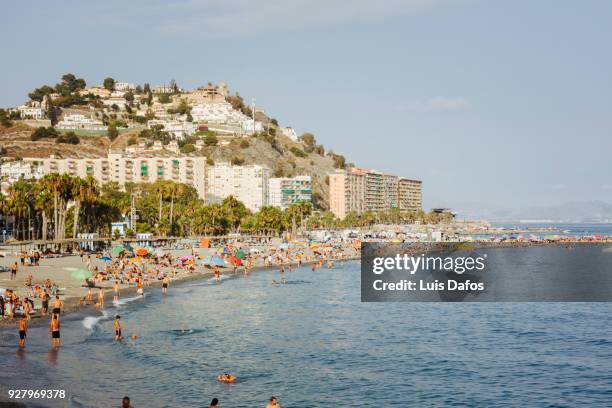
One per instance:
(116, 290)
(54, 328)
(165, 283)
(101, 298)
(118, 336)
(57, 305)
(23, 329)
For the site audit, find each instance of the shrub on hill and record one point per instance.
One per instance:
(297, 151)
(69, 138)
(44, 133)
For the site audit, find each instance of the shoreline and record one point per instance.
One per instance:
(72, 304)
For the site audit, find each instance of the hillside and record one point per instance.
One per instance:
(281, 154)
(16, 140)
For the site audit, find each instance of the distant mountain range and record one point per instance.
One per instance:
(574, 211)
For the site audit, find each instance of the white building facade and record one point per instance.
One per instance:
(248, 184)
(132, 169)
(78, 121)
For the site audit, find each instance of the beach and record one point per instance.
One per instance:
(60, 269)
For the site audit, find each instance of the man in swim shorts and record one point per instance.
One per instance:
(23, 328)
(54, 328)
(57, 305)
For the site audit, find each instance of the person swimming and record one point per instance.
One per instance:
(226, 378)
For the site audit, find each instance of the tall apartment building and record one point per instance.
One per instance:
(410, 194)
(127, 168)
(284, 191)
(248, 184)
(359, 190)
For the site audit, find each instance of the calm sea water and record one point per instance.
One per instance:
(312, 343)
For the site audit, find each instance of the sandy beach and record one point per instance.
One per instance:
(72, 291)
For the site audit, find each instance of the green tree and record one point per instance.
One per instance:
(109, 83)
(112, 132)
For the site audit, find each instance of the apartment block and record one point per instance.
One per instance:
(359, 190)
(248, 184)
(285, 191)
(123, 169)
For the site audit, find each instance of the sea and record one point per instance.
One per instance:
(311, 342)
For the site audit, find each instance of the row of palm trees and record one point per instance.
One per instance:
(59, 206)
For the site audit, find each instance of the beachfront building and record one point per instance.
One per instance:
(346, 193)
(285, 191)
(359, 190)
(79, 121)
(248, 184)
(123, 168)
(410, 194)
(177, 128)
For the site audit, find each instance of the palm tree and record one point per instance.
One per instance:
(51, 183)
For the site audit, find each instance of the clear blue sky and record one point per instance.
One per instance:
(503, 103)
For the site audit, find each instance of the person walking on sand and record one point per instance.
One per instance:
(23, 329)
(54, 328)
(14, 271)
(273, 403)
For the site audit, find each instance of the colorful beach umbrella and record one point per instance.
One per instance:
(240, 254)
(118, 249)
(216, 261)
(234, 261)
(141, 251)
(81, 274)
(106, 258)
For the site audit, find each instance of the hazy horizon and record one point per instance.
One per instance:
(502, 103)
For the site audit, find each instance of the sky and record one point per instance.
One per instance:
(490, 103)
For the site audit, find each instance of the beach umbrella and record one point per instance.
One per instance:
(141, 251)
(240, 254)
(234, 261)
(81, 274)
(106, 258)
(216, 261)
(186, 258)
(118, 249)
